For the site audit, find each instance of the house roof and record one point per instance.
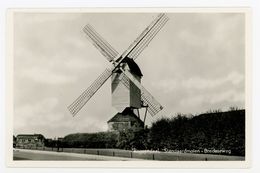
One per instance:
(26, 136)
(126, 116)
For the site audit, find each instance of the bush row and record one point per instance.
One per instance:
(212, 131)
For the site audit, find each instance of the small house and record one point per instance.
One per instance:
(30, 140)
(124, 121)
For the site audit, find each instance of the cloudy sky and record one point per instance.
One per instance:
(194, 64)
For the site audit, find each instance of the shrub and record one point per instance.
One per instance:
(215, 130)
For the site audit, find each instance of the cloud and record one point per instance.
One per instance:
(37, 113)
(202, 83)
(198, 94)
(46, 76)
(199, 83)
(211, 100)
(77, 64)
(51, 118)
(226, 96)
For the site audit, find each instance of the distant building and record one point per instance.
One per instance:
(14, 141)
(125, 120)
(30, 140)
(60, 139)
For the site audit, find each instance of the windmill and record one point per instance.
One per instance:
(127, 92)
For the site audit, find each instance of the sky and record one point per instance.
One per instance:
(194, 64)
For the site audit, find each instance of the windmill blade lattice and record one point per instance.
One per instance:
(100, 43)
(77, 105)
(146, 36)
(153, 106)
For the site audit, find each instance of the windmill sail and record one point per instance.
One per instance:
(153, 106)
(77, 105)
(100, 43)
(145, 37)
(148, 38)
(135, 48)
(110, 53)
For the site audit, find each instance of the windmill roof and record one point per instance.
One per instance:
(125, 116)
(134, 68)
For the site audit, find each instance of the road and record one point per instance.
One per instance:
(106, 154)
(22, 154)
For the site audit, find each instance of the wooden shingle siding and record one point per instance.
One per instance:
(120, 94)
(123, 97)
(135, 94)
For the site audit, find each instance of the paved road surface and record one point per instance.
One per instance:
(22, 154)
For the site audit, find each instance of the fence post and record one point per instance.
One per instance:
(153, 156)
(113, 153)
(84, 150)
(131, 154)
(97, 152)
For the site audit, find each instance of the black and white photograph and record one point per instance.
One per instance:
(144, 86)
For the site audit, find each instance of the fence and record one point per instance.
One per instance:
(166, 156)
